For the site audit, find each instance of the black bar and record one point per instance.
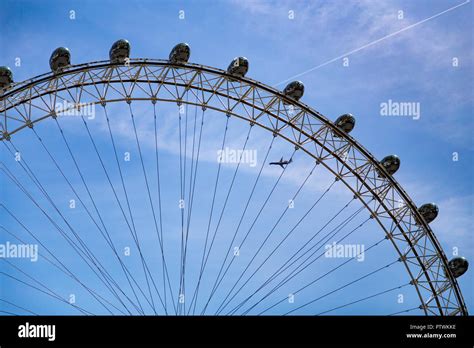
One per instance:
(291, 330)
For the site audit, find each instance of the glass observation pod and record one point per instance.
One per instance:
(119, 51)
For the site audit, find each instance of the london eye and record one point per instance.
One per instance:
(161, 186)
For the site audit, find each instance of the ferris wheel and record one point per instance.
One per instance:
(166, 187)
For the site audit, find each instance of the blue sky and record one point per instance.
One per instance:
(413, 66)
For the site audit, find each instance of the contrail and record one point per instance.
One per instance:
(372, 43)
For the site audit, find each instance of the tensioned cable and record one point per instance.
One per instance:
(285, 266)
(212, 208)
(65, 269)
(216, 283)
(182, 201)
(57, 297)
(329, 235)
(106, 281)
(194, 183)
(150, 200)
(405, 311)
(73, 245)
(329, 272)
(291, 276)
(302, 268)
(364, 298)
(192, 180)
(137, 242)
(159, 209)
(91, 138)
(79, 251)
(106, 236)
(145, 267)
(20, 307)
(281, 242)
(50, 292)
(34, 178)
(344, 286)
(228, 193)
(257, 216)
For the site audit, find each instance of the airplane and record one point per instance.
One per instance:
(282, 163)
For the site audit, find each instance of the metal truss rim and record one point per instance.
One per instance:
(18, 88)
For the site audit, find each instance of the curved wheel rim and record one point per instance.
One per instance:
(413, 239)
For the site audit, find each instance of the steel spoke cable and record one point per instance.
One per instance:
(281, 242)
(26, 168)
(134, 233)
(331, 271)
(364, 298)
(273, 228)
(217, 282)
(212, 209)
(24, 165)
(258, 215)
(404, 311)
(192, 181)
(229, 192)
(64, 269)
(159, 207)
(41, 284)
(145, 267)
(107, 279)
(102, 270)
(286, 265)
(344, 286)
(151, 203)
(194, 185)
(105, 235)
(182, 202)
(228, 195)
(184, 229)
(17, 306)
(91, 138)
(57, 297)
(302, 267)
(82, 254)
(9, 313)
